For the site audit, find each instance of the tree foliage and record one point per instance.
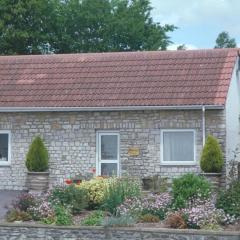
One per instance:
(28, 26)
(37, 156)
(212, 156)
(225, 41)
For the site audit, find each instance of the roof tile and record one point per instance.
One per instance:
(158, 78)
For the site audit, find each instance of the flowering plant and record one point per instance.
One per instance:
(200, 213)
(156, 204)
(95, 189)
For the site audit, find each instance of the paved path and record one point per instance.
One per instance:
(6, 198)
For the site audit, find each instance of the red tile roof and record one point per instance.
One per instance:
(158, 78)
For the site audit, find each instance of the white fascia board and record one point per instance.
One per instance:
(104, 109)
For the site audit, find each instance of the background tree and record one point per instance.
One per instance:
(224, 41)
(25, 25)
(33, 26)
(182, 47)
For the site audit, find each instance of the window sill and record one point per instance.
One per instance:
(5, 164)
(173, 164)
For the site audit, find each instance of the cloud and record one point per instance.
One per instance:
(223, 13)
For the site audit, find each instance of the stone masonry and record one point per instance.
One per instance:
(22, 232)
(71, 140)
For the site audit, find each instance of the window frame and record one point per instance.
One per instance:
(178, 162)
(8, 162)
(98, 151)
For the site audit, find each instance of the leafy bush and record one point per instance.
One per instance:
(120, 221)
(229, 200)
(71, 196)
(62, 215)
(118, 191)
(17, 215)
(212, 156)
(24, 201)
(94, 219)
(37, 156)
(176, 220)
(95, 188)
(189, 186)
(149, 218)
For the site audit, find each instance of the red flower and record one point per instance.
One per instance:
(93, 170)
(68, 181)
(78, 182)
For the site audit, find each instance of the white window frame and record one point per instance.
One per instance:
(98, 151)
(178, 162)
(7, 163)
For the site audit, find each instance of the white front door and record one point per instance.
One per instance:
(108, 153)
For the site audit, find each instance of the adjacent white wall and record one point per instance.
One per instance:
(232, 115)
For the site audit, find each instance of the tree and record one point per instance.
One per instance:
(69, 26)
(25, 25)
(224, 41)
(182, 47)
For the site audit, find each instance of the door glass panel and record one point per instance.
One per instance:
(108, 169)
(109, 147)
(3, 147)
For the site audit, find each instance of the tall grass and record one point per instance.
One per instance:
(118, 191)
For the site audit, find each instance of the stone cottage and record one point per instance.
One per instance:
(136, 113)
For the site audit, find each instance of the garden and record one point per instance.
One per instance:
(121, 202)
(190, 201)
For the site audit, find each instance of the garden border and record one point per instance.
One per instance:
(38, 231)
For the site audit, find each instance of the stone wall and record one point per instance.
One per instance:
(22, 232)
(71, 140)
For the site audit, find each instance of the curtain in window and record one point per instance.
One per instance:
(178, 146)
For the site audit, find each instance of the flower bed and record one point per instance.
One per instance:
(120, 202)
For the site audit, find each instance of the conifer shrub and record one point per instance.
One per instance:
(212, 156)
(37, 156)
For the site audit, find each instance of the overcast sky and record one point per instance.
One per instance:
(199, 21)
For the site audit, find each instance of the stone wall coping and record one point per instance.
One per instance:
(131, 229)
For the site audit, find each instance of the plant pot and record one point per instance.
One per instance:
(213, 178)
(37, 181)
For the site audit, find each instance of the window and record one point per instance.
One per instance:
(178, 147)
(4, 148)
(108, 153)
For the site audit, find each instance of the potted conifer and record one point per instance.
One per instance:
(212, 161)
(37, 166)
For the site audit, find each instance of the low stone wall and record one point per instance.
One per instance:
(37, 232)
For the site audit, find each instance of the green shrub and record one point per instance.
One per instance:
(120, 221)
(37, 156)
(71, 196)
(229, 200)
(212, 156)
(187, 187)
(62, 215)
(120, 189)
(94, 219)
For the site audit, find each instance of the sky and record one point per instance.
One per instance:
(199, 21)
